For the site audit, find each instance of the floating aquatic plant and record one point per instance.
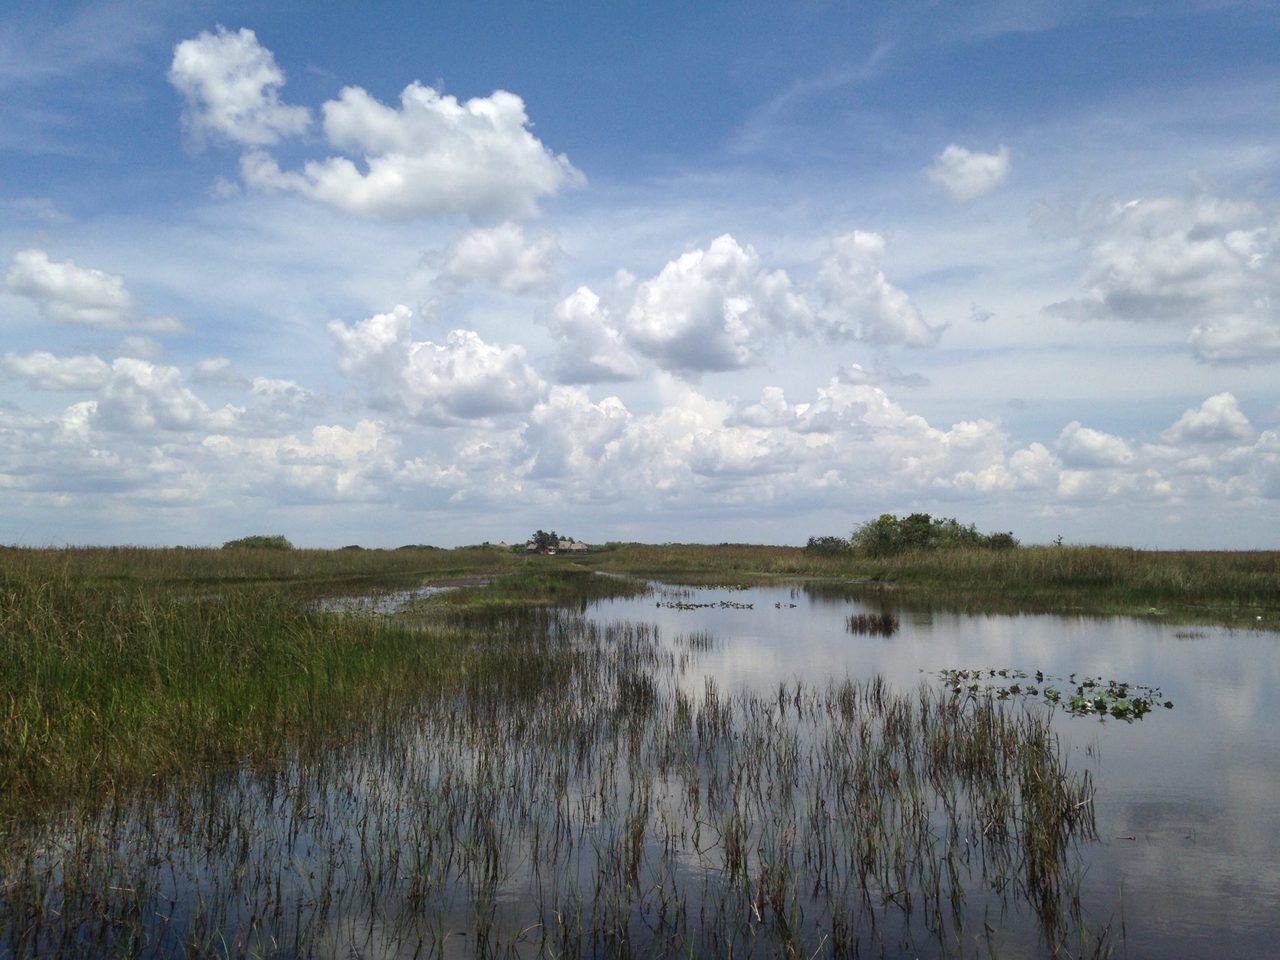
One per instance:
(714, 605)
(1091, 696)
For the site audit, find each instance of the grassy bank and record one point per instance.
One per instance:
(1227, 586)
(120, 666)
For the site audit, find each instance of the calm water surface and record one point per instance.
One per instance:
(1188, 799)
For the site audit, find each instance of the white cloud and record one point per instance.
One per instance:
(572, 437)
(861, 303)
(231, 85)
(1081, 446)
(463, 378)
(44, 371)
(1218, 419)
(969, 174)
(502, 258)
(432, 156)
(714, 309)
(333, 463)
(219, 371)
(67, 293)
(141, 347)
(882, 374)
(1238, 340)
(140, 397)
(1201, 260)
(592, 348)
(275, 404)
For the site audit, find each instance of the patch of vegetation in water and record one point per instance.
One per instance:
(698, 605)
(884, 624)
(1090, 696)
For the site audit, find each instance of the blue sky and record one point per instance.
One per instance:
(656, 271)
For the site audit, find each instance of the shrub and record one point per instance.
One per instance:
(1002, 541)
(828, 546)
(259, 542)
(887, 535)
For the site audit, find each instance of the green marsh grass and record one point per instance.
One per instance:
(119, 667)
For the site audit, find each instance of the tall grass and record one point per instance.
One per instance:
(123, 666)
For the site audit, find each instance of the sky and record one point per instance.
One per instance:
(748, 272)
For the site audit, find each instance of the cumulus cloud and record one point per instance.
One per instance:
(1202, 260)
(570, 436)
(502, 258)
(145, 438)
(1081, 446)
(331, 463)
(67, 293)
(276, 404)
(141, 397)
(848, 438)
(1218, 419)
(592, 348)
(231, 87)
(720, 308)
(463, 378)
(1238, 340)
(969, 174)
(433, 155)
(714, 309)
(44, 371)
(859, 300)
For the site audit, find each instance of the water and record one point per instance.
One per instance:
(1188, 799)
(626, 775)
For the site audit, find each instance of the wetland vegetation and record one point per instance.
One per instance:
(212, 752)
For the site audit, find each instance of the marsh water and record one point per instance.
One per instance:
(720, 771)
(1187, 799)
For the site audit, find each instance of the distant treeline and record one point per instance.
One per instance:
(889, 535)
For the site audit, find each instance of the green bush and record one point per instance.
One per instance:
(889, 535)
(259, 542)
(827, 546)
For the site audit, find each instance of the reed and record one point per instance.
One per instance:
(125, 666)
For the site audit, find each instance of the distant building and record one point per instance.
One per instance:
(577, 546)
